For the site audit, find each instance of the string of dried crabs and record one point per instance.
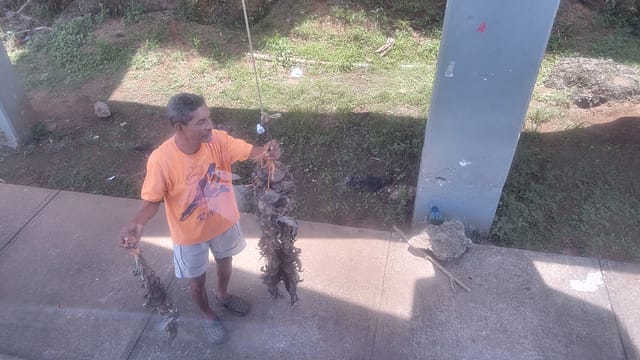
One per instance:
(273, 187)
(155, 295)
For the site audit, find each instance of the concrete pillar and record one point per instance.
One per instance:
(13, 128)
(489, 59)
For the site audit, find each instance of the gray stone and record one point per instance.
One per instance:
(101, 110)
(446, 241)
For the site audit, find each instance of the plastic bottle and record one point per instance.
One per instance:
(435, 217)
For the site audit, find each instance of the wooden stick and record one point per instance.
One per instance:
(23, 6)
(454, 280)
(382, 51)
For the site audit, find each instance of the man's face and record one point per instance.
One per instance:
(200, 125)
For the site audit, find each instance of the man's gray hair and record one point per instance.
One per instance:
(181, 106)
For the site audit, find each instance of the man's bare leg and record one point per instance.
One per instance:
(224, 268)
(199, 296)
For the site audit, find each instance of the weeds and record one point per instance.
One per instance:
(622, 14)
(67, 44)
(70, 54)
(132, 12)
(281, 49)
(619, 44)
(147, 56)
(40, 132)
(549, 204)
(536, 117)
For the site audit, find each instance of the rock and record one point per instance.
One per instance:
(446, 241)
(101, 110)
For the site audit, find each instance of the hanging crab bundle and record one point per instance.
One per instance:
(155, 295)
(273, 189)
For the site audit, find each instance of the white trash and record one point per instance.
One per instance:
(296, 72)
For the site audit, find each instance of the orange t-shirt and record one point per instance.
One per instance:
(197, 188)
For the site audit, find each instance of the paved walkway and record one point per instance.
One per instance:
(66, 292)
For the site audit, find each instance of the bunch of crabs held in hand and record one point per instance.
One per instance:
(273, 187)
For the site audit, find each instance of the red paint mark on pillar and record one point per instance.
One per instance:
(482, 27)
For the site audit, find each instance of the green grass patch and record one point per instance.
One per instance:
(620, 45)
(69, 55)
(571, 191)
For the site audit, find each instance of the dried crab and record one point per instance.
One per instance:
(273, 189)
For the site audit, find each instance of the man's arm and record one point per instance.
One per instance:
(131, 233)
(270, 150)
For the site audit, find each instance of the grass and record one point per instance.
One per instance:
(578, 200)
(359, 113)
(619, 44)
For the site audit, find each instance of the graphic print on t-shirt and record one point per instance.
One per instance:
(208, 187)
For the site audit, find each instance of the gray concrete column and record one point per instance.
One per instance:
(13, 128)
(489, 58)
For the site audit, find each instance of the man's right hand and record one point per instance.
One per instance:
(130, 235)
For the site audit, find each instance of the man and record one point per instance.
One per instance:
(191, 173)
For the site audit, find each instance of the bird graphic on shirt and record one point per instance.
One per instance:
(207, 187)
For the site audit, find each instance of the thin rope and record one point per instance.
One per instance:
(253, 61)
(264, 117)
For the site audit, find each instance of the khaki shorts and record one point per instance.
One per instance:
(191, 261)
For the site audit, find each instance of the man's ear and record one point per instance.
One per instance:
(178, 126)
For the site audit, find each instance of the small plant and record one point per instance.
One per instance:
(111, 54)
(538, 117)
(133, 12)
(40, 132)
(561, 36)
(148, 56)
(352, 17)
(196, 42)
(281, 49)
(67, 44)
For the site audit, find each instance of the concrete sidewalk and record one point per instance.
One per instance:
(67, 292)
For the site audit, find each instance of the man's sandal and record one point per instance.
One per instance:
(236, 305)
(215, 331)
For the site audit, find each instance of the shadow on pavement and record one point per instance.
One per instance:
(66, 292)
